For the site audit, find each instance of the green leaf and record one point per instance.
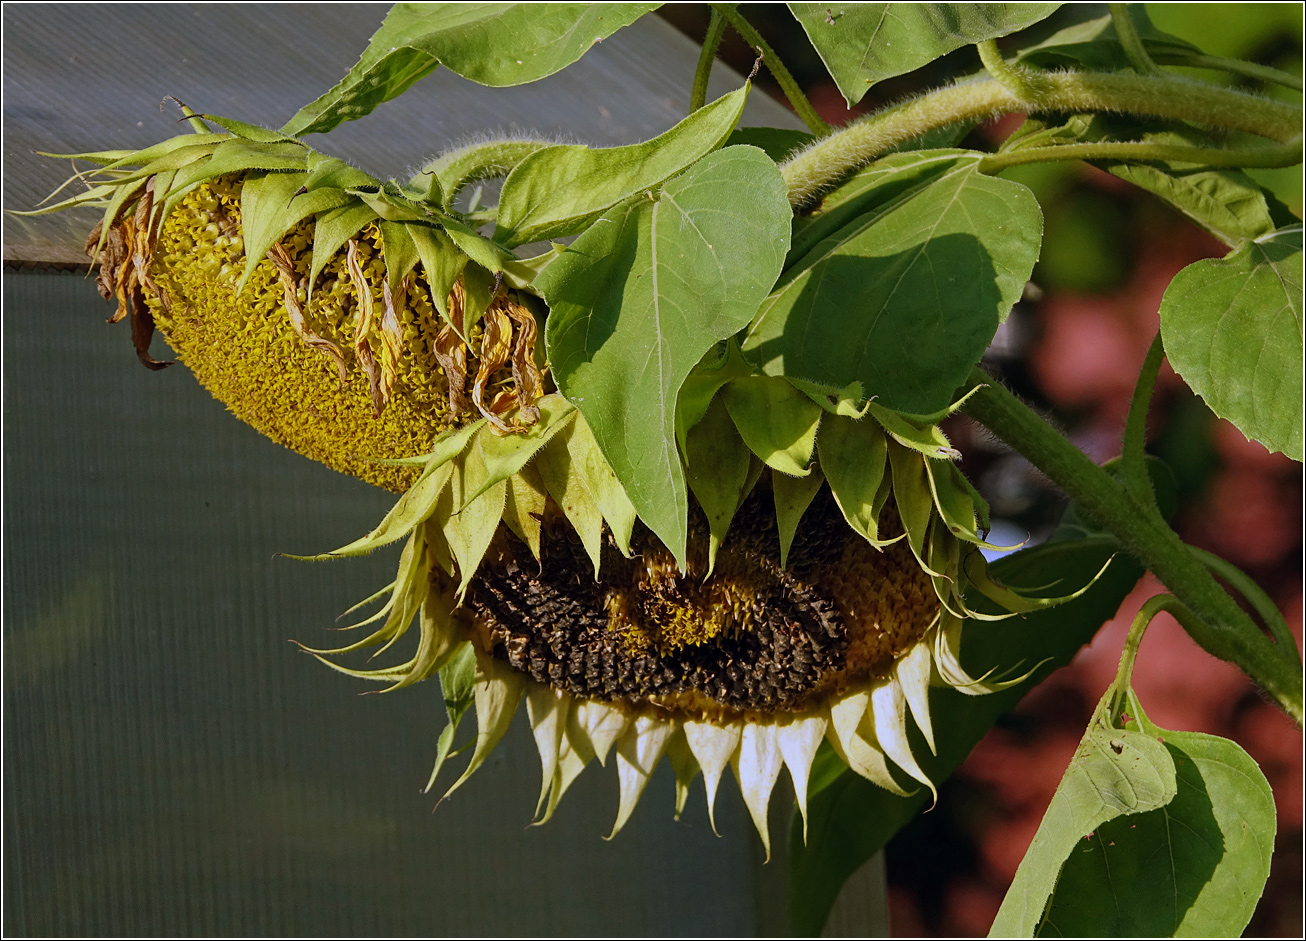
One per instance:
(643, 294)
(776, 142)
(716, 463)
(863, 43)
(1232, 328)
(1115, 772)
(332, 230)
(558, 190)
(854, 457)
(776, 421)
(850, 819)
(906, 296)
(416, 504)
(495, 44)
(793, 495)
(458, 684)
(1194, 868)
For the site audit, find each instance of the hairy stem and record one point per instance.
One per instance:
(1279, 155)
(1219, 625)
(1127, 33)
(822, 165)
(802, 107)
(716, 28)
(480, 161)
(1021, 82)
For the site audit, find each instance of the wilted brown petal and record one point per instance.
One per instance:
(496, 344)
(525, 373)
(142, 322)
(285, 266)
(451, 353)
(362, 350)
(391, 336)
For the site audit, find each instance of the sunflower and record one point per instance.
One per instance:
(368, 325)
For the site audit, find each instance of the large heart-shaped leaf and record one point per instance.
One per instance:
(492, 43)
(1114, 773)
(555, 191)
(906, 296)
(862, 43)
(1194, 868)
(1232, 328)
(643, 294)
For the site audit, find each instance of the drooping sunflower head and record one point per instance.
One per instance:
(831, 542)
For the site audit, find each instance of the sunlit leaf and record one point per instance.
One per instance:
(1232, 328)
(643, 294)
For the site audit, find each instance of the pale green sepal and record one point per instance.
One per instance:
(547, 710)
(713, 747)
(956, 504)
(700, 389)
(799, 737)
(407, 593)
(524, 507)
(332, 230)
(141, 158)
(638, 753)
(437, 640)
(469, 530)
(375, 596)
(847, 401)
(854, 456)
(716, 469)
(443, 263)
(927, 439)
(935, 417)
(505, 455)
(889, 718)
(498, 690)
(598, 477)
(912, 674)
(96, 196)
(334, 173)
(977, 572)
(124, 197)
(757, 765)
(947, 660)
(911, 494)
(458, 684)
(399, 251)
(489, 255)
(235, 156)
(266, 215)
(776, 421)
(250, 132)
(556, 464)
(858, 753)
(793, 495)
(416, 504)
(683, 766)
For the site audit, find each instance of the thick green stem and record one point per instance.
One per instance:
(1219, 625)
(483, 160)
(1130, 40)
(1021, 82)
(828, 161)
(802, 107)
(1279, 155)
(1133, 459)
(716, 28)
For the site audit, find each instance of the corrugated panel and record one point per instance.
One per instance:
(81, 77)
